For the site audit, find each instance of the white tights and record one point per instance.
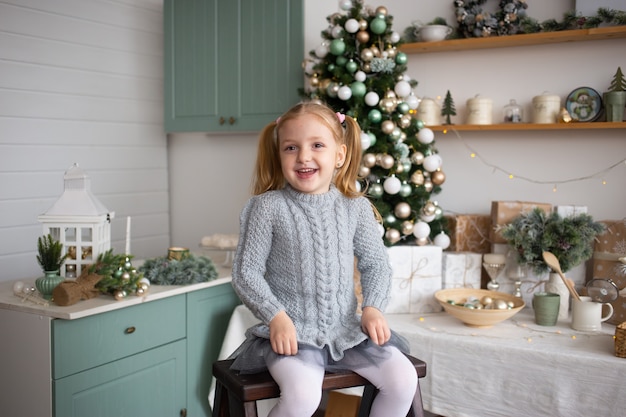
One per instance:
(300, 381)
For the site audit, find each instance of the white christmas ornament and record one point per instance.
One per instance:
(402, 89)
(372, 99)
(421, 230)
(344, 93)
(425, 136)
(351, 26)
(336, 31)
(360, 76)
(442, 240)
(412, 101)
(428, 217)
(394, 37)
(345, 4)
(392, 185)
(365, 141)
(321, 51)
(432, 163)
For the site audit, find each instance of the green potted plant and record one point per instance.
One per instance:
(50, 257)
(615, 98)
(569, 238)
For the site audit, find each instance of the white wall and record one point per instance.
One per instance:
(81, 81)
(224, 163)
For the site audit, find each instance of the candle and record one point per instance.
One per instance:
(494, 258)
(127, 252)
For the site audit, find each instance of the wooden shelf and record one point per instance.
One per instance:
(612, 32)
(531, 126)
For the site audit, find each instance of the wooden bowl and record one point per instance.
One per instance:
(477, 317)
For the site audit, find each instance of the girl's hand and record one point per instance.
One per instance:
(375, 325)
(283, 335)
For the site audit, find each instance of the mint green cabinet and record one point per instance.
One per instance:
(231, 65)
(152, 358)
(208, 314)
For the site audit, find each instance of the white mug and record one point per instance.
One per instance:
(587, 314)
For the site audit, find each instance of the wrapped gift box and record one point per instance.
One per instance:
(608, 249)
(469, 233)
(461, 270)
(416, 277)
(566, 211)
(503, 212)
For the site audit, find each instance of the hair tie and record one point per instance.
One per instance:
(341, 117)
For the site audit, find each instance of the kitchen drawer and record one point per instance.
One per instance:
(91, 341)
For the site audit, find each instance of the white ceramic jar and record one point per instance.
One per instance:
(429, 112)
(479, 111)
(546, 108)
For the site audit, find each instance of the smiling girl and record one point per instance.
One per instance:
(294, 268)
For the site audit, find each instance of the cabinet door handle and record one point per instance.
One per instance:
(130, 330)
(231, 120)
(222, 120)
(183, 412)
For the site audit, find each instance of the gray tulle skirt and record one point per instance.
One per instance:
(253, 354)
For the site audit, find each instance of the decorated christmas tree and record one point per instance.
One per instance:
(359, 70)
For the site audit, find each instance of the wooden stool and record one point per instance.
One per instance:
(236, 394)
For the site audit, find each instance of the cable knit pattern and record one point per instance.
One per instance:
(296, 253)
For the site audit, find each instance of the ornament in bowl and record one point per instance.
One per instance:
(479, 308)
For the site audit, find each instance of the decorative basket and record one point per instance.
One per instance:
(620, 340)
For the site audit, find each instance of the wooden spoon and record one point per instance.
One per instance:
(554, 264)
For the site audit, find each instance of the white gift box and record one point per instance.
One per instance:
(566, 211)
(461, 269)
(416, 277)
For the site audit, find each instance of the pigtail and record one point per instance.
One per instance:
(268, 174)
(347, 174)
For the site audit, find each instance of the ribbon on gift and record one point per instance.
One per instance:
(421, 264)
(469, 264)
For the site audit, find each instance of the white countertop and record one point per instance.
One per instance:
(100, 304)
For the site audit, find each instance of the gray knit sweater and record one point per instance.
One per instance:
(296, 253)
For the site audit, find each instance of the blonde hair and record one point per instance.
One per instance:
(268, 174)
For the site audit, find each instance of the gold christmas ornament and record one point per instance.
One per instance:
(392, 52)
(429, 208)
(364, 171)
(438, 177)
(405, 121)
(421, 241)
(428, 185)
(392, 235)
(363, 36)
(367, 54)
(381, 10)
(417, 158)
(387, 161)
(417, 178)
(387, 127)
(363, 24)
(366, 67)
(402, 210)
(407, 227)
(369, 160)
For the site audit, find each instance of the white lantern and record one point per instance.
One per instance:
(79, 221)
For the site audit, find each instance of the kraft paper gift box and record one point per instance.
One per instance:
(416, 277)
(469, 233)
(461, 269)
(503, 212)
(609, 262)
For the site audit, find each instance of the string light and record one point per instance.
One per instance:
(510, 175)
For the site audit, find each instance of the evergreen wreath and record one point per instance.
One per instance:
(474, 22)
(191, 270)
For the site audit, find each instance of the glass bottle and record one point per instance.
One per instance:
(513, 112)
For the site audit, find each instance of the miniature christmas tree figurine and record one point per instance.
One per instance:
(448, 108)
(358, 70)
(619, 82)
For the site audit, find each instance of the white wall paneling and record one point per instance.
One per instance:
(82, 81)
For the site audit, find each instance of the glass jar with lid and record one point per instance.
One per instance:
(513, 112)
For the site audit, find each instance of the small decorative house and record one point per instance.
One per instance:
(79, 221)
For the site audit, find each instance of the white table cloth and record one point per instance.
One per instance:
(515, 368)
